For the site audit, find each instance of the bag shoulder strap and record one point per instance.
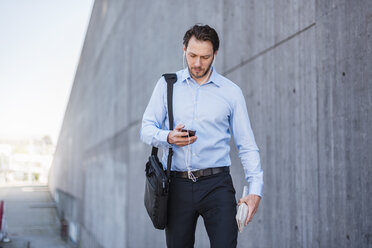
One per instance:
(170, 78)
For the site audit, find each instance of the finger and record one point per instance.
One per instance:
(249, 216)
(182, 142)
(186, 140)
(254, 213)
(193, 139)
(251, 213)
(179, 127)
(181, 134)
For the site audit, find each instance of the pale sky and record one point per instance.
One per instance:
(40, 46)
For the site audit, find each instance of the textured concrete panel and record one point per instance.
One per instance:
(288, 122)
(304, 68)
(345, 100)
(269, 22)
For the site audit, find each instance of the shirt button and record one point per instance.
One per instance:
(194, 154)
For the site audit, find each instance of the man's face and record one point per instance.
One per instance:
(199, 57)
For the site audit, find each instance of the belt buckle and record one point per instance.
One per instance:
(191, 176)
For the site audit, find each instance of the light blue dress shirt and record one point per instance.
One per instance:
(215, 110)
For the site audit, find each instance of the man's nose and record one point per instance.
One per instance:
(197, 62)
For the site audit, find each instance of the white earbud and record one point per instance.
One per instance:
(183, 59)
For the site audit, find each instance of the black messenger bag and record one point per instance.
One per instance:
(157, 181)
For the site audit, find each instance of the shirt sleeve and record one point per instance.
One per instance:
(154, 117)
(244, 140)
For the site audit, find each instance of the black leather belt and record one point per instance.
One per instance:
(200, 173)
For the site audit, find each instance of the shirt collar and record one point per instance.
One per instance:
(212, 78)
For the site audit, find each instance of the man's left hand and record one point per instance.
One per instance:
(252, 202)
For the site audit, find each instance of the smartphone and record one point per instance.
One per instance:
(190, 132)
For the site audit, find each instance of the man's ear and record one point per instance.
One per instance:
(215, 53)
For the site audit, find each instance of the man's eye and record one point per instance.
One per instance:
(206, 57)
(192, 55)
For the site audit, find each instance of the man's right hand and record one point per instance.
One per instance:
(175, 137)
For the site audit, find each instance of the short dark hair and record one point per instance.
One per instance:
(203, 33)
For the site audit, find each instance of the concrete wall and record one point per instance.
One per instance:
(305, 69)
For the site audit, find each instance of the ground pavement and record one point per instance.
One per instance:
(32, 218)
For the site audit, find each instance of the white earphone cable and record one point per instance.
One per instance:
(187, 151)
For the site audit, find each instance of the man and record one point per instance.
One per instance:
(201, 184)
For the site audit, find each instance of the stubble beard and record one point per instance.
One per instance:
(195, 76)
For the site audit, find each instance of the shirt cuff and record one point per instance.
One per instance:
(255, 188)
(163, 138)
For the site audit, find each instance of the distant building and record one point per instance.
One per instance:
(25, 160)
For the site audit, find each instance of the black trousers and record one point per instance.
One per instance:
(212, 197)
